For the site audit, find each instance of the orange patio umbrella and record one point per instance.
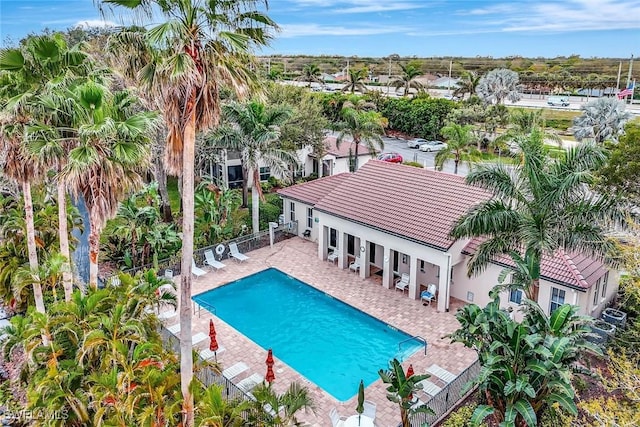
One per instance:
(213, 345)
(270, 377)
(409, 373)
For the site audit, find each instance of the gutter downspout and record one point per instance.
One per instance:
(448, 289)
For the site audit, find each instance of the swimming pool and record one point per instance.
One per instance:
(332, 344)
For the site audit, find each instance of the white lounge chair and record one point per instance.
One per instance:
(235, 370)
(333, 256)
(234, 252)
(175, 329)
(249, 383)
(198, 338)
(369, 409)
(355, 265)
(429, 295)
(195, 270)
(210, 259)
(336, 419)
(207, 354)
(168, 273)
(167, 314)
(441, 373)
(429, 388)
(403, 282)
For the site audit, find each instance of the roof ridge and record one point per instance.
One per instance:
(568, 262)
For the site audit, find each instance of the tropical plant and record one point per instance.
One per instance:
(460, 146)
(402, 390)
(539, 207)
(214, 206)
(213, 409)
(407, 80)
(602, 119)
(361, 125)
(498, 85)
(527, 366)
(253, 129)
(310, 74)
(620, 174)
(467, 84)
(279, 410)
(355, 80)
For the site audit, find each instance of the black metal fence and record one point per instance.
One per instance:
(448, 397)
(246, 243)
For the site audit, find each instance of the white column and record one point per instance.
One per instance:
(413, 275)
(443, 284)
(387, 266)
(322, 242)
(342, 250)
(364, 259)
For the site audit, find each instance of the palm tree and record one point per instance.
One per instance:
(460, 146)
(467, 84)
(602, 119)
(539, 207)
(199, 47)
(108, 160)
(254, 131)
(310, 74)
(407, 80)
(498, 85)
(401, 390)
(355, 81)
(288, 404)
(360, 124)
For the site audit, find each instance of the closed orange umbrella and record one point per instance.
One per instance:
(409, 373)
(213, 345)
(270, 377)
(269, 360)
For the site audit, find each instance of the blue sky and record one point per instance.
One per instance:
(530, 28)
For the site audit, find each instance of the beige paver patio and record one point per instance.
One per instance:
(298, 257)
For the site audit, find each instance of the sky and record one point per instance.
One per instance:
(421, 28)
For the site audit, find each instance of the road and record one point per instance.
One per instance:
(415, 155)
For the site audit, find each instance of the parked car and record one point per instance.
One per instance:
(416, 142)
(390, 157)
(433, 146)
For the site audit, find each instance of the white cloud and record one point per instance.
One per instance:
(303, 30)
(357, 6)
(99, 23)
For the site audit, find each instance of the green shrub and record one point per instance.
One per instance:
(460, 417)
(414, 164)
(266, 187)
(554, 416)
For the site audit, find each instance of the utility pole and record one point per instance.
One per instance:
(619, 73)
(389, 78)
(629, 79)
(449, 85)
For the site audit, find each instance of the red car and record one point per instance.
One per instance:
(390, 157)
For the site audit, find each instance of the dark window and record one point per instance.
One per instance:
(395, 260)
(292, 211)
(265, 173)
(515, 296)
(309, 217)
(605, 282)
(372, 252)
(557, 299)
(351, 243)
(422, 265)
(333, 238)
(596, 290)
(235, 176)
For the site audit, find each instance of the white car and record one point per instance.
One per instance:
(416, 142)
(433, 146)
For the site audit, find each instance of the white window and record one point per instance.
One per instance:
(596, 292)
(292, 211)
(265, 173)
(309, 217)
(605, 281)
(515, 296)
(557, 299)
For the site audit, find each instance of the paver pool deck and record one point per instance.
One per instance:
(298, 257)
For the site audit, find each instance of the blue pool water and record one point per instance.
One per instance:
(329, 342)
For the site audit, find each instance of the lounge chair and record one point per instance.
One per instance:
(207, 354)
(234, 252)
(369, 409)
(198, 338)
(167, 314)
(234, 370)
(428, 295)
(429, 388)
(403, 282)
(168, 274)
(195, 270)
(355, 265)
(249, 383)
(336, 419)
(175, 329)
(441, 373)
(210, 260)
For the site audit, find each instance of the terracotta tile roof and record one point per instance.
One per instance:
(343, 150)
(571, 269)
(311, 192)
(406, 201)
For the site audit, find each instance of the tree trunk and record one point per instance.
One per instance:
(535, 288)
(355, 159)
(404, 416)
(31, 246)
(94, 249)
(160, 176)
(181, 191)
(455, 166)
(245, 187)
(255, 205)
(186, 356)
(67, 276)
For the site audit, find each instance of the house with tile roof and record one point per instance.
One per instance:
(336, 158)
(396, 220)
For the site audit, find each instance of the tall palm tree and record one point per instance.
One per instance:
(539, 207)
(254, 131)
(460, 146)
(310, 74)
(407, 80)
(601, 120)
(108, 161)
(360, 124)
(467, 84)
(355, 81)
(202, 45)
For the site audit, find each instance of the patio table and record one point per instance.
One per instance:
(352, 421)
